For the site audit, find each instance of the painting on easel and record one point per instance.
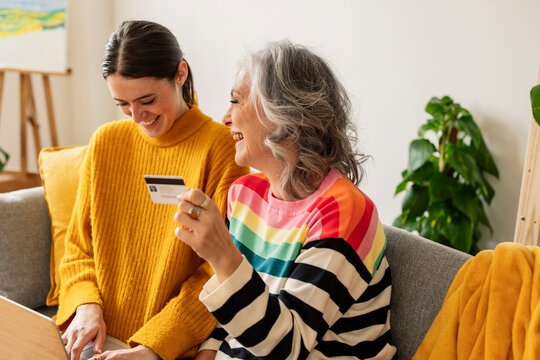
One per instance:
(33, 35)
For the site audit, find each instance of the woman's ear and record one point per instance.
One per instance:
(182, 73)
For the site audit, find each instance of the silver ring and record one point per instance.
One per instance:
(194, 212)
(206, 201)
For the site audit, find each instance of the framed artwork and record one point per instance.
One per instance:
(33, 35)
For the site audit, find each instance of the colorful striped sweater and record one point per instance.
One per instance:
(314, 282)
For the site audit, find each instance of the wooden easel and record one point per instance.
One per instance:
(12, 180)
(528, 216)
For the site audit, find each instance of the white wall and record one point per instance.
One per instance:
(391, 55)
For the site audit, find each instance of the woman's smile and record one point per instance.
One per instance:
(150, 123)
(238, 136)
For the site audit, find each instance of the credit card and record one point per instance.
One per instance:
(163, 189)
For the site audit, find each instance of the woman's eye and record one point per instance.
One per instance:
(234, 101)
(149, 102)
(120, 104)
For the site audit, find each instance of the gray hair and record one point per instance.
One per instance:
(306, 106)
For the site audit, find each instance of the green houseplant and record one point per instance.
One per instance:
(445, 179)
(4, 157)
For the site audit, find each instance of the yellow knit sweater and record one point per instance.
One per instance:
(121, 251)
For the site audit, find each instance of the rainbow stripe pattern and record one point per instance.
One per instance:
(271, 232)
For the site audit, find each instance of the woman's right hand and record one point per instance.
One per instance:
(87, 325)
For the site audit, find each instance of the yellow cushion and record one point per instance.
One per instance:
(60, 170)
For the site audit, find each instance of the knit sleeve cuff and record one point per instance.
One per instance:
(79, 293)
(214, 294)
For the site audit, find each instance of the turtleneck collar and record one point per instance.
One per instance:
(183, 128)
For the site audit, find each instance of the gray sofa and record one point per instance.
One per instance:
(422, 270)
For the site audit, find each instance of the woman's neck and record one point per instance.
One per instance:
(184, 108)
(277, 191)
(273, 172)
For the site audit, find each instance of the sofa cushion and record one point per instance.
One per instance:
(422, 271)
(25, 242)
(60, 171)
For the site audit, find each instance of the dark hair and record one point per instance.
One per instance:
(141, 48)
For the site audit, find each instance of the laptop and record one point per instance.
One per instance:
(26, 334)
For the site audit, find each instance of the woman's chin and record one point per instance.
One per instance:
(240, 160)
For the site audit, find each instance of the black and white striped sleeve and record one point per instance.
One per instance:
(328, 295)
(215, 339)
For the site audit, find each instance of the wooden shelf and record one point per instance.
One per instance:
(11, 180)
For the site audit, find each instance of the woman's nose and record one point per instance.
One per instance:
(226, 120)
(136, 114)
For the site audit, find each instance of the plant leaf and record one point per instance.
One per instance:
(434, 225)
(431, 125)
(469, 127)
(416, 201)
(403, 223)
(5, 159)
(467, 202)
(426, 230)
(535, 103)
(487, 192)
(485, 161)
(482, 218)
(464, 163)
(420, 176)
(439, 215)
(401, 186)
(434, 106)
(460, 233)
(441, 187)
(420, 151)
(447, 100)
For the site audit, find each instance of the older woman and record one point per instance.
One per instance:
(301, 271)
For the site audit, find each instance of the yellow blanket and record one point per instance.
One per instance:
(492, 309)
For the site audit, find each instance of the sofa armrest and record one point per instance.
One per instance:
(422, 271)
(25, 247)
